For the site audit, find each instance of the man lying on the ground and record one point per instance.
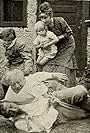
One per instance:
(31, 105)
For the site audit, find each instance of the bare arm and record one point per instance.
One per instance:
(37, 43)
(54, 41)
(39, 46)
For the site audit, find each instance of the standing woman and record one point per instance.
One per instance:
(65, 60)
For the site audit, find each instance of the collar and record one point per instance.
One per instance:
(52, 23)
(52, 20)
(12, 44)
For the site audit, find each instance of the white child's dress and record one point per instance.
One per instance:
(50, 51)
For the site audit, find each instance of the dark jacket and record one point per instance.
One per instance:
(16, 54)
(60, 27)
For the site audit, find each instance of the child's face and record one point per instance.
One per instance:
(42, 32)
(8, 40)
(8, 37)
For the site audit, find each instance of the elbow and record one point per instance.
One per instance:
(57, 40)
(36, 46)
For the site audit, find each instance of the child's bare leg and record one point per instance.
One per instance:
(44, 61)
(38, 66)
(39, 59)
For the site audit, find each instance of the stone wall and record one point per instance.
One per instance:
(88, 46)
(27, 34)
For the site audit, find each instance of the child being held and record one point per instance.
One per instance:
(45, 43)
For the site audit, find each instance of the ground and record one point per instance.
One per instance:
(75, 126)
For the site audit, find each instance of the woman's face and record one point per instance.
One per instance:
(46, 19)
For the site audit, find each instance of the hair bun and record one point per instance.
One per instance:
(44, 7)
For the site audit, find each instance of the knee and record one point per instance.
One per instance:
(81, 89)
(80, 94)
(21, 124)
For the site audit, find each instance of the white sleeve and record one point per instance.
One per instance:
(42, 76)
(11, 95)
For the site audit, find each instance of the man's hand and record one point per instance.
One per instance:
(60, 77)
(51, 98)
(11, 108)
(53, 101)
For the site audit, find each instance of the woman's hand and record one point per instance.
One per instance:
(46, 45)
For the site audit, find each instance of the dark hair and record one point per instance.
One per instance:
(10, 112)
(3, 112)
(45, 8)
(5, 33)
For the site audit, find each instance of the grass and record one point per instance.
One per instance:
(75, 126)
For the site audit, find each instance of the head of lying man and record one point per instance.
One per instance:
(15, 79)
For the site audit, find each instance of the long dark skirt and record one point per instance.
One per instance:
(64, 62)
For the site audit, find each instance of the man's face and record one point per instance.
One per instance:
(17, 85)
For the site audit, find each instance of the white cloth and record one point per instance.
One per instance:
(42, 114)
(50, 51)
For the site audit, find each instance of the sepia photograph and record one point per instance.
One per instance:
(44, 66)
